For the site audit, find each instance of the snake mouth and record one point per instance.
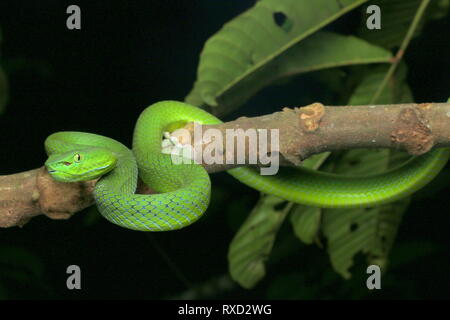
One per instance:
(65, 176)
(51, 171)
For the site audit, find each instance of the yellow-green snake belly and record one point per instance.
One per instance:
(184, 189)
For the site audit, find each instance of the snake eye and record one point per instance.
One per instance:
(77, 157)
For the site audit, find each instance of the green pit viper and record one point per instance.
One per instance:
(184, 189)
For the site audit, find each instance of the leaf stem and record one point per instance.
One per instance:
(401, 51)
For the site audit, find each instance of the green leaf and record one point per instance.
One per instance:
(242, 57)
(306, 222)
(396, 91)
(315, 161)
(350, 231)
(324, 50)
(253, 243)
(251, 246)
(363, 162)
(370, 231)
(320, 51)
(367, 87)
(396, 17)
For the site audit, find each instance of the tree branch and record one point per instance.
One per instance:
(415, 128)
(303, 132)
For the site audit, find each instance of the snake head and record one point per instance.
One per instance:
(80, 165)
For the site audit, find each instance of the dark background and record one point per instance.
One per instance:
(128, 55)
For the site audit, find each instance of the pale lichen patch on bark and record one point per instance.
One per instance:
(411, 130)
(310, 116)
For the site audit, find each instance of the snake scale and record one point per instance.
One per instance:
(184, 189)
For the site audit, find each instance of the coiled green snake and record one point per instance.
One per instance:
(184, 189)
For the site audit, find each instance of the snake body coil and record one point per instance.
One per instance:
(184, 189)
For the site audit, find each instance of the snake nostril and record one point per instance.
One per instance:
(66, 163)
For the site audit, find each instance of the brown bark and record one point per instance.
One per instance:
(415, 128)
